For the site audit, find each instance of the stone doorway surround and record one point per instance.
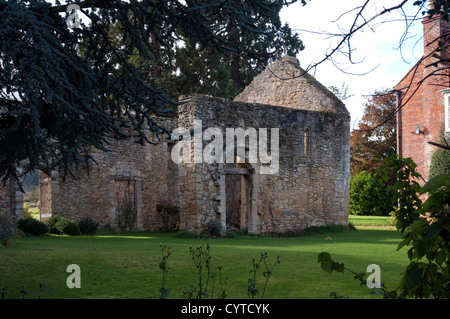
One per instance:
(244, 175)
(238, 187)
(123, 182)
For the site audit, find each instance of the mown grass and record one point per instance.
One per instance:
(370, 220)
(127, 265)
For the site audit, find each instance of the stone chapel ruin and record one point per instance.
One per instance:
(308, 188)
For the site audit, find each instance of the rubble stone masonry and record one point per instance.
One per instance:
(145, 171)
(308, 188)
(11, 199)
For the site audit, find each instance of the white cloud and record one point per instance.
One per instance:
(375, 47)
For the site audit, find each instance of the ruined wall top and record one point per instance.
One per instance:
(285, 83)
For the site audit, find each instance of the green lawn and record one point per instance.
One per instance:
(127, 266)
(369, 220)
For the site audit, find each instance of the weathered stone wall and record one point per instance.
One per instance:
(48, 194)
(306, 190)
(145, 172)
(11, 199)
(308, 187)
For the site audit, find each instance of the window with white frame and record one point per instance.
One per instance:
(446, 94)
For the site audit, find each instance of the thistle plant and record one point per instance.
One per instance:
(222, 283)
(202, 261)
(252, 290)
(207, 275)
(211, 278)
(163, 265)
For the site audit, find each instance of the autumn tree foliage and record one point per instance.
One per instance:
(375, 139)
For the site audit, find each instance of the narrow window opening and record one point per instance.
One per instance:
(307, 143)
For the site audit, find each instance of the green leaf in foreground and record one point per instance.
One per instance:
(434, 184)
(328, 264)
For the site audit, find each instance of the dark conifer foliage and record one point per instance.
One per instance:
(65, 90)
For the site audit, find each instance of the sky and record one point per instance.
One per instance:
(381, 64)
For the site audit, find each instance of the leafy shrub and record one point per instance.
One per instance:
(440, 163)
(60, 225)
(32, 226)
(67, 226)
(213, 228)
(51, 223)
(370, 196)
(26, 210)
(236, 233)
(7, 228)
(425, 229)
(187, 234)
(107, 229)
(427, 275)
(88, 226)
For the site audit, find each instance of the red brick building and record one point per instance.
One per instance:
(424, 99)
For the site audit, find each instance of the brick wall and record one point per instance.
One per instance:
(420, 92)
